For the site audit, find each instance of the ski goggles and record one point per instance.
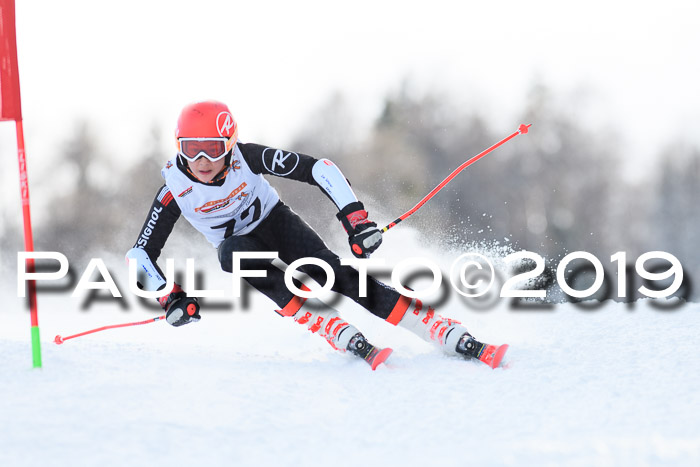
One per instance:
(213, 149)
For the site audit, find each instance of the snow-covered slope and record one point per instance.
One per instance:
(616, 386)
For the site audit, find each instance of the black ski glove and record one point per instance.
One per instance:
(364, 236)
(179, 308)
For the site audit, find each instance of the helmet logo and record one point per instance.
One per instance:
(224, 123)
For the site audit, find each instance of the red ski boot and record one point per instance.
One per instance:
(492, 355)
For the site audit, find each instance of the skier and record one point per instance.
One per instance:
(216, 182)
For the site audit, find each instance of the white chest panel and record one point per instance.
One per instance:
(234, 208)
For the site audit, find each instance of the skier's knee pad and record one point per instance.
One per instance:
(238, 244)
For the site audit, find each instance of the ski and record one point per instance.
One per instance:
(377, 356)
(374, 356)
(492, 355)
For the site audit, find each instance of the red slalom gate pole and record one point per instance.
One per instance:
(28, 246)
(61, 340)
(521, 131)
(11, 109)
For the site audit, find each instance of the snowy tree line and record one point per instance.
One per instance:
(557, 190)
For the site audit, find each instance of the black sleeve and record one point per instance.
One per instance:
(159, 224)
(266, 160)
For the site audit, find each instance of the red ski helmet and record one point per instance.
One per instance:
(208, 119)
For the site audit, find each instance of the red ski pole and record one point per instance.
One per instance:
(521, 130)
(61, 340)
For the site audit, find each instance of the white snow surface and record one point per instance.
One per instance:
(615, 386)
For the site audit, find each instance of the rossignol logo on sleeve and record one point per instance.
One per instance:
(150, 226)
(278, 162)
